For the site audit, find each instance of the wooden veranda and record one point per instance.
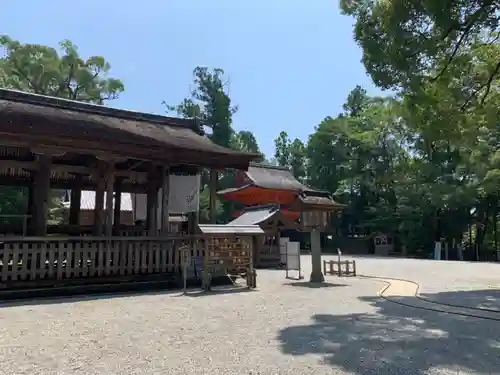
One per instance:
(50, 144)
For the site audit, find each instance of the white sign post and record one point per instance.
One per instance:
(292, 254)
(437, 250)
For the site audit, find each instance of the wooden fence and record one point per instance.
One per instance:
(46, 258)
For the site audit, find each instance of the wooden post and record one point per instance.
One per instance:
(165, 190)
(41, 195)
(75, 201)
(213, 198)
(31, 208)
(99, 202)
(110, 184)
(118, 204)
(152, 203)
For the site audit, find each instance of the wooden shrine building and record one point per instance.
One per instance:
(266, 185)
(48, 143)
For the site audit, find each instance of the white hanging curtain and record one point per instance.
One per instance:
(184, 197)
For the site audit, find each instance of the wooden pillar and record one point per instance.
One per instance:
(117, 215)
(41, 195)
(110, 184)
(75, 201)
(192, 222)
(31, 208)
(213, 198)
(165, 190)
(99, 202)
(152, 203)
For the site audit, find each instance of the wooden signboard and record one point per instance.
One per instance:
(230, 254)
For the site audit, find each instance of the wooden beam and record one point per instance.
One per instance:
(118, 149)
(140, 177)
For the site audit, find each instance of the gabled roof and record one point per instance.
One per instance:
(260, 215)
(274, 177)
(280, 178)
(317, 201)
(254, 217)
(222, 229)
(139, 134)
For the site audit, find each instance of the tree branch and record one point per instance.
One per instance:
(35, 88)
(466, 28)
(486, 86)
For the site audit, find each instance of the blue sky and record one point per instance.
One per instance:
(290, 62)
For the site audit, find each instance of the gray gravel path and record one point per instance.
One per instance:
(284, 327)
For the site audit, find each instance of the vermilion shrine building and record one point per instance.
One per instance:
(277, 201)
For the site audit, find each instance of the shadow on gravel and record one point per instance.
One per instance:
(307, 284)
(399, 340)
(218, 291)
(488, 299)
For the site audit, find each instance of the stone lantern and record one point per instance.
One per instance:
(316, 208)
(315, 219)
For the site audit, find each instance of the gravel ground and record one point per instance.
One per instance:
(465, 283)
(284, 327)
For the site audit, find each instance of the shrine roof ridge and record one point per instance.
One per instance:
(78, 106)
(268, 166)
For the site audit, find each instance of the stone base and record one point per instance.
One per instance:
(317, 277)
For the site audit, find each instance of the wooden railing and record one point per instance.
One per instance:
(46, 258)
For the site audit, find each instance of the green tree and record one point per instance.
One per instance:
(47, 71)
(291, 154)
(211, 105)
(407, 42)
(43, 70)
(443, 57)
(244, 140)
(282, 149)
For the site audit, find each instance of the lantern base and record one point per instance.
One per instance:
(317, 277)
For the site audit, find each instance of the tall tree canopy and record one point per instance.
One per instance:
(291, 154)
(65, 74)
(404, 42)
(211, 104)
(43, 70)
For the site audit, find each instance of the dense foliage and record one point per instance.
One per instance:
(44, 70)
